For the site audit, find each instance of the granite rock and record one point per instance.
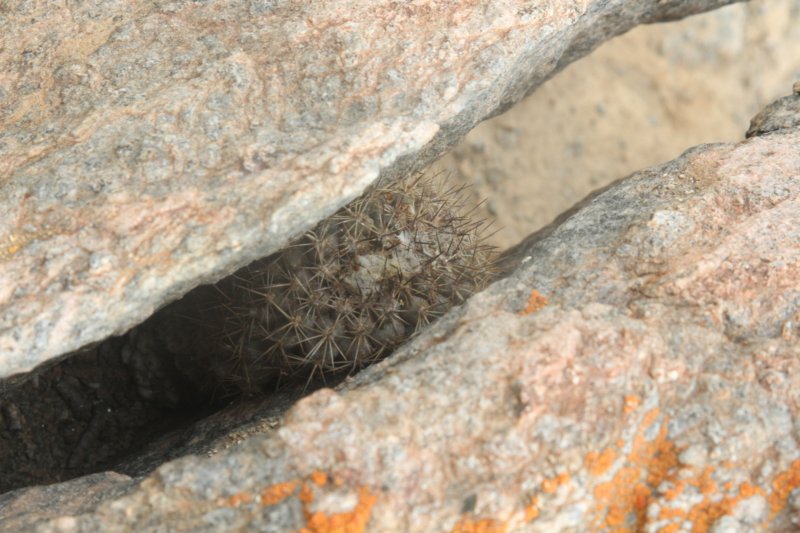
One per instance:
(147, 146)
(636, 369)
(781, 114)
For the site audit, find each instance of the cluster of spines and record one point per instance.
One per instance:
(351, 290)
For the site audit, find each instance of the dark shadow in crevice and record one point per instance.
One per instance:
(229, 359)
(79, 416)
(128, 404)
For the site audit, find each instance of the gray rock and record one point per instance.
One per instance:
(648, 321)
(147, 147)
(781, 114)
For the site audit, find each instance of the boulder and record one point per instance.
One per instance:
(636, 369)
(148, 147)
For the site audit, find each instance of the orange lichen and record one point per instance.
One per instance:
(674, 492)
(713, 506)
(706, 483)
(641, 497)
(622, 501)
(551, 485)
(632, 403)
(622, 496)
(657, 457)
(354, 521)
(598, 463)
(604, 491)
(650, 417)
(277, 493)
(667, 513)
(617, 515)
(746, 490)
(703, 515)
(536, 301)
(532, 509)
(319, 478)
(306, 495)
(782, 485)
(486, 525)
(239, 498)
(660, 456)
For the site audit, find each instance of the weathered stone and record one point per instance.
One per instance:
(782, 114)
(637, 369)
(637, 101)
(147, 147)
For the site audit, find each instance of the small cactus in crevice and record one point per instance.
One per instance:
(348, 292)
(338, 298)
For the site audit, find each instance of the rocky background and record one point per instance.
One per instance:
(634, 370)
(149, 147)
(638, 100)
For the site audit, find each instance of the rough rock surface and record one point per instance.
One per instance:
(782, 114)
(655, 92)
(637, 371)
(148, 146)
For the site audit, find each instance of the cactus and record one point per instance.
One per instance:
(348, 292)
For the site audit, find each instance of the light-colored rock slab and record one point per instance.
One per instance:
(149, 146)
(637, 370)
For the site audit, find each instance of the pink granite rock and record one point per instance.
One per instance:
(147, 147)
(637, 370)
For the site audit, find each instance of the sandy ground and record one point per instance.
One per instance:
(638, 100)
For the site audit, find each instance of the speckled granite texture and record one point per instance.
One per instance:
(636, 371)
(150, 146)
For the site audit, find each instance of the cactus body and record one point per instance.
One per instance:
(351, 290)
